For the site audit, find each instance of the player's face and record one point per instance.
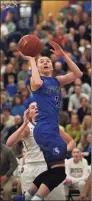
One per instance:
(44, 65)
(33, 110)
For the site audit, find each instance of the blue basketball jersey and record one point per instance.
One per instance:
(46, 131)
(48, 99)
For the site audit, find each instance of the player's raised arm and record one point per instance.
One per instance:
(19, 133)
(75, 71)
(36, 81)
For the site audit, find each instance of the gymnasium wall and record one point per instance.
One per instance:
(52, 6)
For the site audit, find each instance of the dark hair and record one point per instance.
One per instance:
(14, 100)
(6, 109)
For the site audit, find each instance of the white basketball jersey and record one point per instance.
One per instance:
(33, 153)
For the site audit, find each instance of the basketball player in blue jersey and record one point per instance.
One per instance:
(46, 91)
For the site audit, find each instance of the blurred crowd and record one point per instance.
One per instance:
(72, 31)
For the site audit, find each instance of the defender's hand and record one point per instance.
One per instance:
(26, 117)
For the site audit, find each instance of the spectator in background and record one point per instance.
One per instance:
(65, 99)
(74, 128)
(9, 71)
(13, 62)
(79, 10)
(84, 109)
(72, 33)
(8, 118)
(49, 24)
(89, 149)
(60, 19)
(87, 76)
(85, 18)
(22, 75)
(39, 31)
(76, 21)
(89, 139)
(86, 125)
(67, 10)
(8, 164)
(81, 34)
(53, 57)
(64, 118)
(12, 48)
(11, 87)
(59, 35)
(21, 86)
(76, 172)
(3, 102)
(4, 31)
(9, 22)
(27, 83)
(58, 69)
(7, 99)
(2, 62)
(86, 147)
(83, 144)
(85, 87)
(69, 22)
(1, 122)
(74, 99)
(25, 97)
(18, 108)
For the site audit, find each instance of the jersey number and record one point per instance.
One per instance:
(57, 101)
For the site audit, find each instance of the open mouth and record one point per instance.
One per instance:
(45, 67)
(36, 111)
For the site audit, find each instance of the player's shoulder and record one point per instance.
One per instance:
(56, 80)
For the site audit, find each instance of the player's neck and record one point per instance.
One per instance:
(33, 121)
(46, 74)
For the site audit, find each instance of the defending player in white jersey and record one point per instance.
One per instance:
(34, 159)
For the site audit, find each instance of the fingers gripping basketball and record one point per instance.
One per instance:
(30, 45)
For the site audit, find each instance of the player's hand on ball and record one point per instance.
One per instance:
(57, 49)
(25, 57)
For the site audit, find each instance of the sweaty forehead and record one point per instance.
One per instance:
(44, 58)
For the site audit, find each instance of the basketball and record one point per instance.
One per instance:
(30, 45)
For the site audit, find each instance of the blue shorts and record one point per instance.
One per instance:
(51, 144)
